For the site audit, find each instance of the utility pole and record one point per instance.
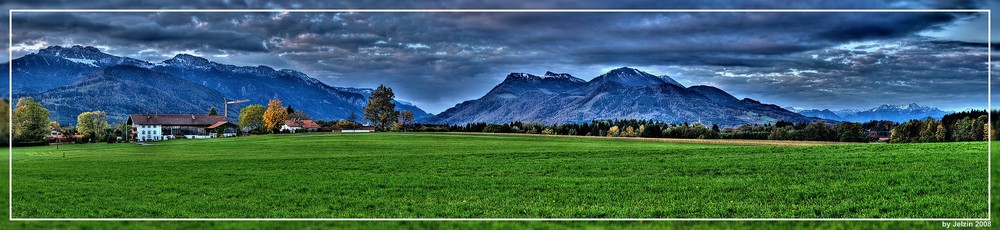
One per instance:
(226, 113)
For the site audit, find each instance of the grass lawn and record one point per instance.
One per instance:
(401, 175)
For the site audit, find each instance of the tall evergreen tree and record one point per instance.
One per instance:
(289, 111)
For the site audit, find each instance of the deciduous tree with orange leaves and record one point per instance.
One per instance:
(274, 116)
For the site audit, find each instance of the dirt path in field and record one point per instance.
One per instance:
(692, 141)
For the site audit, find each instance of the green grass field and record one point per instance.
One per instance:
(402, 175)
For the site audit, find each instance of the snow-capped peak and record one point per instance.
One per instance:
(89, 55)
(794, 109)
(187, 59)
(83, 61)
(362, 91)
(911, 106)
(551, 75)
(671, 81)
(75, 51)
(296, 74)
(524, 76)
(629, 77)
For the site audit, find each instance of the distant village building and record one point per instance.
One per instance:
(223, 128)
(362, 129)
(295, 125)
(155, 127)
(56, 136)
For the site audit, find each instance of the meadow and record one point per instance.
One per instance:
(447, 175)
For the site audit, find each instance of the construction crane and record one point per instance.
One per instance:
(226, 113)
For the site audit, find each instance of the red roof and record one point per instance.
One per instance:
(309, 124)
(176, 119)
(217, 124)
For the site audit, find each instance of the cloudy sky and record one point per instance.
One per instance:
(435, 60)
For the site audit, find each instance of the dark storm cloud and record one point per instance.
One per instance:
(187, 38)
(60, 22)
(439, 59)
(947, 74)
(125, 28)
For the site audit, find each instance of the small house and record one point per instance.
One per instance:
(293, 125)
(223, 129)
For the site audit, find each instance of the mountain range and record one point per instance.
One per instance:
(623, 93)
(897, 113)
(70, 80)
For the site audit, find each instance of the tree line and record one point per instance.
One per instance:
(961, 126)
(31, 124)
(970, 125)
(379, 111)
(781, 130)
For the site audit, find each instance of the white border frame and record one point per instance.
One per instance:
(10, 159)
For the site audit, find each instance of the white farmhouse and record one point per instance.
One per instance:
(295, 125)
(155, 127)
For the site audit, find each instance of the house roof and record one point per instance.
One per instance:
(291, 123)
(176, 119)
(217, 124)
(309, 124)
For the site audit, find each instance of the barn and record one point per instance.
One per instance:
(154, 127)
